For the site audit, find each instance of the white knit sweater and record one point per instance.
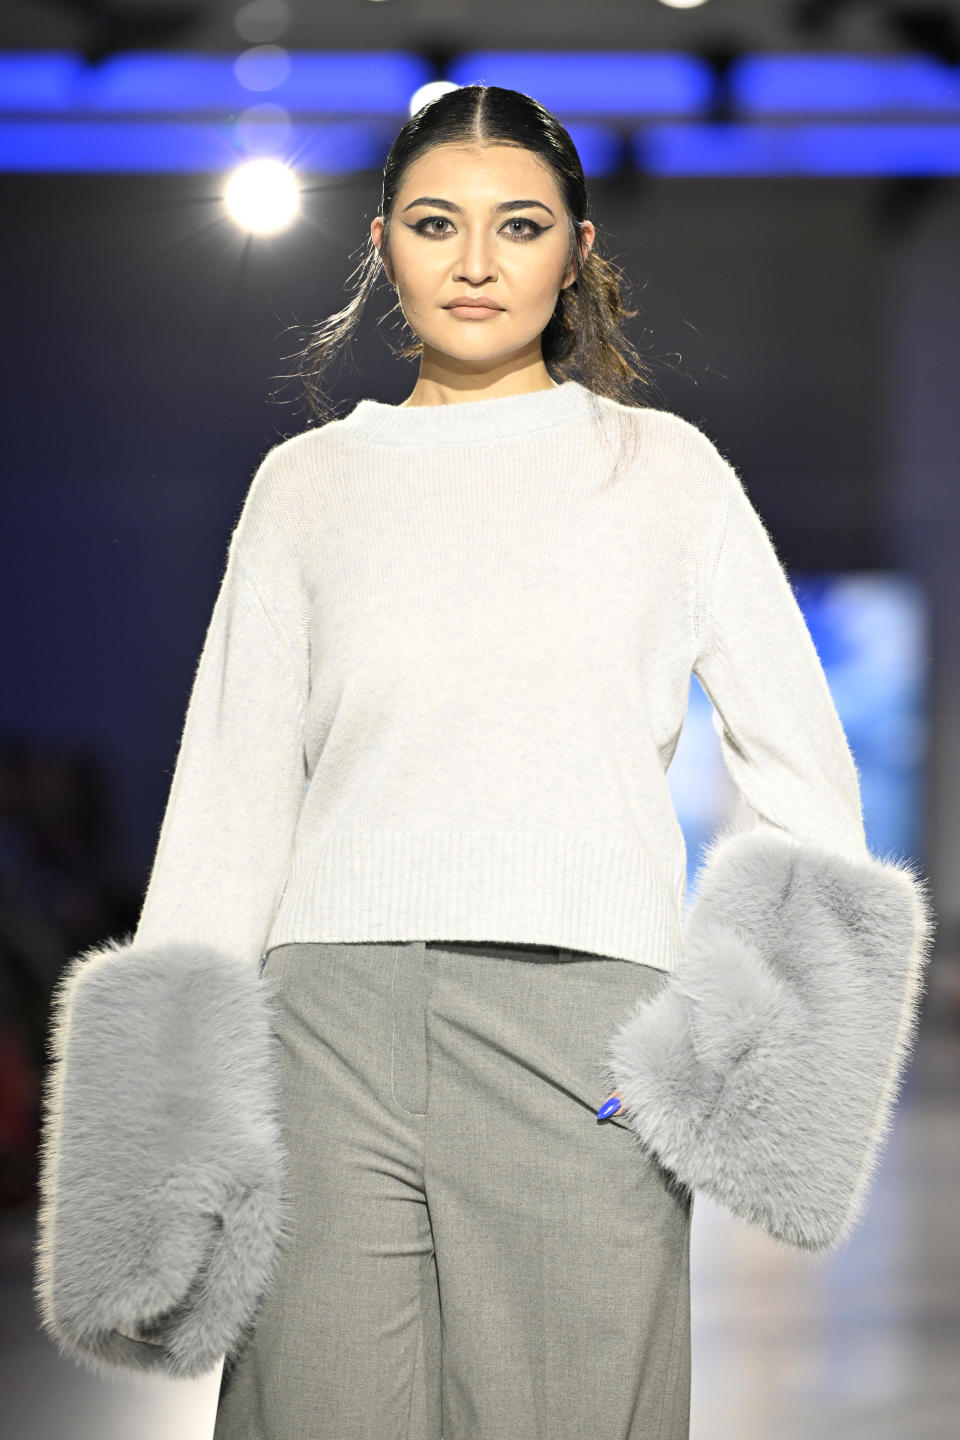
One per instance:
(446, 673)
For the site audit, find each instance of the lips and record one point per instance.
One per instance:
(471, 305)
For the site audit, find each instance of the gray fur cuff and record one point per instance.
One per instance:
(163, 1199)
(766, 1071)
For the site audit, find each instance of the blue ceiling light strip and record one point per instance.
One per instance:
(591, 83)
(60, 81)
(186, 147)
(844, 84)
(332, 82)
(191, 147)
(594, 82)
(827, 150)
(600, 147)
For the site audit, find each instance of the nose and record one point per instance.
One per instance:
(476, 265)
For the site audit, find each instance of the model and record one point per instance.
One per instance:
(396, 1101)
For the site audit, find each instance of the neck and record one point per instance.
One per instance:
(431, 391)
(470, 421)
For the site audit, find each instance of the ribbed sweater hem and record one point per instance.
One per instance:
(523, 887)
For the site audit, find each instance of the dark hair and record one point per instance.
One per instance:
(583, 339)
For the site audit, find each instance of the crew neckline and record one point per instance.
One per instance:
(468, 420)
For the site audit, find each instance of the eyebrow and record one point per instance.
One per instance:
(503, 206)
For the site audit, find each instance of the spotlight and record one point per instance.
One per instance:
(262, 196)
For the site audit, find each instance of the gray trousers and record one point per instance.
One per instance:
(475, 1255)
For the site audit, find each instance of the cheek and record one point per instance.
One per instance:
(544, 296)
(547, 274)
(421, 272)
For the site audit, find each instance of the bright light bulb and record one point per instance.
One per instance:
(431, 91)
(262, 196)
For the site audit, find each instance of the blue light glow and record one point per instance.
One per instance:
(331, 82)
(872, 633)
(195, 114)
(594, 82)
(183, 147)
(853, 84)
(798, 149)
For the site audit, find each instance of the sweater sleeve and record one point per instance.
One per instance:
(782, 740)
(766, 1071)
(240, 772)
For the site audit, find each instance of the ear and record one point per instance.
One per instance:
(376, 235)
(587, 234)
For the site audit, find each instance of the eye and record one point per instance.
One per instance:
(522, 220)
(533, 228)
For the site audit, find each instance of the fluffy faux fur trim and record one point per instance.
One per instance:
(163, 1198)
(766, 1071)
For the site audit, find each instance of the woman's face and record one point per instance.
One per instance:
(448, 239)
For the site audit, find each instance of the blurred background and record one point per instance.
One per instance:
(186, 187)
